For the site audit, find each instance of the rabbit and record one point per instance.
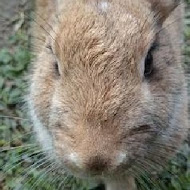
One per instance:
(108, 95)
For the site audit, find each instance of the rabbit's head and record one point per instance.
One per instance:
(107, 89)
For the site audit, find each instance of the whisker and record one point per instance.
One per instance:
(62, 183)
(140, 172)
(137, 177)
(21, 160)
(38, 181)
(31, 169)
(12, 117)
(63, 177)
(4, 149)
(8, 144)
(150, 165)
(55, 180)
(154, 162)
(41, 26)
(47, 23)
(68, 179)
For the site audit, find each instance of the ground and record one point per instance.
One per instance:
(20, 157)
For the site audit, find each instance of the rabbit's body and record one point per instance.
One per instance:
(108, 93)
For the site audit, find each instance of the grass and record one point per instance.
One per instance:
(17, 145)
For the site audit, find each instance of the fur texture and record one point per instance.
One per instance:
(97, 111)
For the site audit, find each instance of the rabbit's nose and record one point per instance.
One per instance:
(97, 164)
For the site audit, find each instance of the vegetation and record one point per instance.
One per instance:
(20, 156)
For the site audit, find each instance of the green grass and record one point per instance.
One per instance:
(16, 157)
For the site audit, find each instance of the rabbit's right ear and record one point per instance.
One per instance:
(163, 8)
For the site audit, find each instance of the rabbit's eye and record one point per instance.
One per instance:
(149, 61)
(148, 68)
(56, 67)
(55, 62)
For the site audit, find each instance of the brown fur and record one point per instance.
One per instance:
(101, 105)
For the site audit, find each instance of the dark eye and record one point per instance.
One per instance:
(148, 68)
(55, 62)
(56, 67)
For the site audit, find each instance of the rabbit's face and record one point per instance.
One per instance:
(107, 89)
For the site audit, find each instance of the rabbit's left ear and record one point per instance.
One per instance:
(163, 8)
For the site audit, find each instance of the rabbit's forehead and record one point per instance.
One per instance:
(103, 21)
(91, 37)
